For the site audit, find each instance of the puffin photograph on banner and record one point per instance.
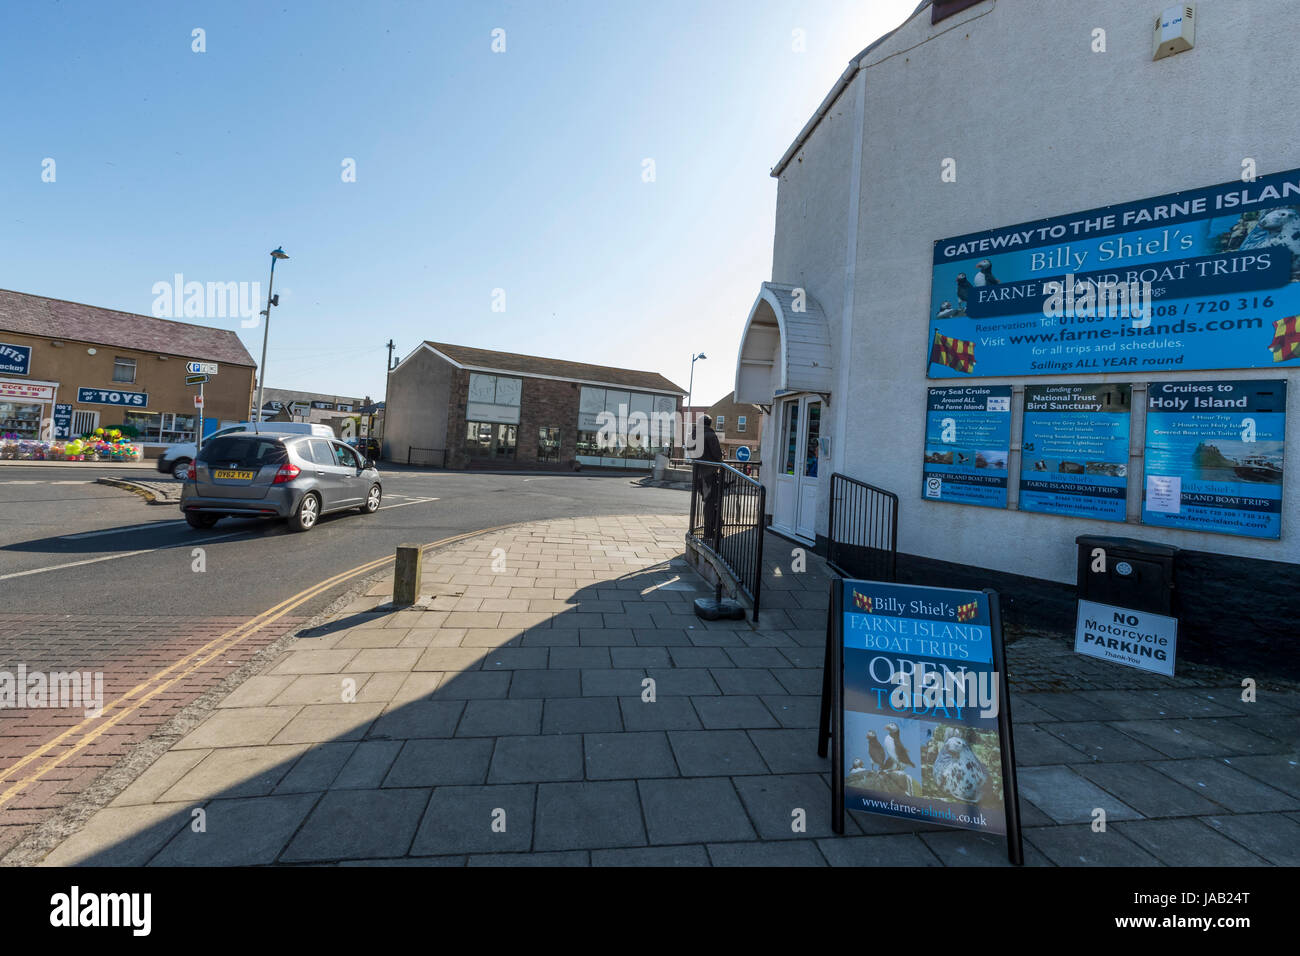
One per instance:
(882, 753)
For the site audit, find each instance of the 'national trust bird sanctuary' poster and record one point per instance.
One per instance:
(928, 748)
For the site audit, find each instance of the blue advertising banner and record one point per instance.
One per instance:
(1214, 457)
(1202, 279)
(922, 704)
(1075, 447)
(967, 444)
(15, 359)
(62, 421)
(109, 396)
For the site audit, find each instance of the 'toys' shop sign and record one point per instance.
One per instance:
(108, 396)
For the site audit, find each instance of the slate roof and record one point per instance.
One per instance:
(287, 395)
(73, 321)
(555, 368)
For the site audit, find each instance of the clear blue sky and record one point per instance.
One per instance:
(475, 171)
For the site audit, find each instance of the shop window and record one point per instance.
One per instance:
(21, 419)
(478, 439)
(124, 370)
(637, 450)
(548, 444)
(504, 441)
(494, 398)
(147, 425)
(178, 428)
(623, 429)
(740, 423)
(490, 440)
(588, 445)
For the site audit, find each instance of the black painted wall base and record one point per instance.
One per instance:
(1238, 613)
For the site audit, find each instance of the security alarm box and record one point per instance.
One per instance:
(1175, 31)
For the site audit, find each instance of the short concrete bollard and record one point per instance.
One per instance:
(406, 575)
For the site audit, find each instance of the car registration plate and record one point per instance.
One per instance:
(233, 475)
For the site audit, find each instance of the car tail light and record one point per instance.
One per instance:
(190, 472)
(286, 473)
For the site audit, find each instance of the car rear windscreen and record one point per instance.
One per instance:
(245, 451)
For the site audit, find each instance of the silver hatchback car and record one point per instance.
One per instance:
(250, 475)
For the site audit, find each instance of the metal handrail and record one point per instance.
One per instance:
(748, 468)
(862, 533)
(736, 543)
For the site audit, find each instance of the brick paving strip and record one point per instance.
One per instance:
(504, 723)
(128, 651)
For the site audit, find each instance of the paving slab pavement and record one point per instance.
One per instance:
(558, 703)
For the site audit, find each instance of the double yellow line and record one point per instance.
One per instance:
(146, 690)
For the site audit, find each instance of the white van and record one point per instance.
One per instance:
(176, 458)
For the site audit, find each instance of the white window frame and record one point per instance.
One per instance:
(121, 361)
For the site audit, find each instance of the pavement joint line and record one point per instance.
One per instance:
(417, 501)
(253, 625)
(130, 527)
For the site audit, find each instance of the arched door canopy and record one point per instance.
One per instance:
(786, 346)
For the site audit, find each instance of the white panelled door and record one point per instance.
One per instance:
(797, 456)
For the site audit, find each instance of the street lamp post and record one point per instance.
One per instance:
(690, 388)
(271, 300)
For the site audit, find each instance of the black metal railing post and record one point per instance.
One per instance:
(729, 522)
(760, 523)
(862, 536)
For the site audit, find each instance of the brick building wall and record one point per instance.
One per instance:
(728, 434)
(457, 396)
(428, 406)
(542, 403)
(548, 403)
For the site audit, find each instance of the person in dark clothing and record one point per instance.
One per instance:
(709, 480)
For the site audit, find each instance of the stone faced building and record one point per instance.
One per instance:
(461, 407)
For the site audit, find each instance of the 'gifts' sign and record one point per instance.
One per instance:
(15, 359)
